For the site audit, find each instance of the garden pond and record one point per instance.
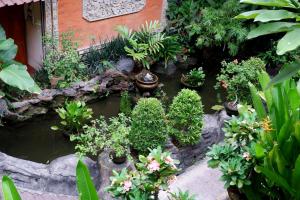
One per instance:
(35, 140)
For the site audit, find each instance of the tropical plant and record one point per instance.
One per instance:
(85, 185)
(93, 138)
(148, 127)
(11, 72)
(208, 24)
(154, 172)
(119, 129)
(282, 17)
(63, 63)
(125, 103)
(235, 157)
(195, 77)
(278, 147)
(234, 78)
(185, 117)
(74, 116)
(148, 45)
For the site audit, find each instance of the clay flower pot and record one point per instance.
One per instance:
(117, 160)
(184, 82)
(146, 81)
(234, 193)
(54, 81)
(231, 108)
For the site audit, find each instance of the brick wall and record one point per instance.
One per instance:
(70, 19)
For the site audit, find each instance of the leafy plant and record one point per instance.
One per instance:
(234, 78)
(154, 172)
(74, 116)
(148, 128)
(148, 45)
(235, 157)
(11, 72)
(63, 62)
(208, 24)
(9, 189)
(119, 129)
(195, 77)
(278, 147)
(182, 195)
(185, 117)
(125, 103)
(93, 138)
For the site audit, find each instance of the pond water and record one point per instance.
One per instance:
(35, 140)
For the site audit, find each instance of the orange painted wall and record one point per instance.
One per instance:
(70, 19)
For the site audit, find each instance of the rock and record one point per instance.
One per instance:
(69, 92)
(58, 177)
(125, 65)
(169, 70)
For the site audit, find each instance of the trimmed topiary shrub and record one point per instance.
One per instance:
(185, 117)
(148, 129)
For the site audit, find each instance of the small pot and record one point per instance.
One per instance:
(234, 193)
(54, 81)
(146, 85)
(183, 82)
(117, 160)
(231, 108)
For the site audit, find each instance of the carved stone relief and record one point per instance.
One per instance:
(94, 10)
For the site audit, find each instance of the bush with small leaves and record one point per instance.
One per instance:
(148, 129)
(185, 117)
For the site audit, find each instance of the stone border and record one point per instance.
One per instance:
(110, 82)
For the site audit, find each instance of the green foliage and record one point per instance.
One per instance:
(74, 116)
(13, 73)
(101, 135)
(9, 189)
(97, 57)
(273, 20)
(182, 195)
(93, 138)
(154, 172)
(235, 157)
(148, 45)
(85, 186)
(234, 78)
(119, 129)
(186, 117)
(148, 129)
(208, 23)
(278, 147)
(63, 62)
(195, 77)
(125, 103)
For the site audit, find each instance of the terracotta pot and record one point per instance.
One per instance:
(231, 108)
(117, 160)
(54, 81)
(146, 85)
(183, 82)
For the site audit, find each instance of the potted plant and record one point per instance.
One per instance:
(194, 79)
(119, 142)
(147, 46)
(74, 115)
(235, 77)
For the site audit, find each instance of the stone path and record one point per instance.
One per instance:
(202, 181)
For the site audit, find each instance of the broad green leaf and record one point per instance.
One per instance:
(298, 87)
(297, 131)
(257, 102)
(276, 178)
(17, 76)
(2, 33)
(296, 178)
(274, 15)
(6, 44)
(9, 54)
(273, 3)
(259, 151)
(289, 42)
(85, 186)
(9, 189)
(272, 27)
(288, 71)
(250, 14)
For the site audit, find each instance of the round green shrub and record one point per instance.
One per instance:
(186, 117)
(148, 129)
